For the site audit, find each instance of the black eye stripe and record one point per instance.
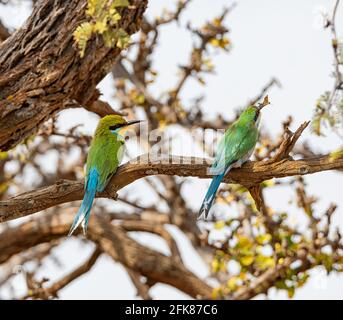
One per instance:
(117, 126)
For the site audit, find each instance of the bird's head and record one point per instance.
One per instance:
(252, 113)
(113, 124)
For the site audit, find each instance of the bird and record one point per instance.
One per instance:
(235, 148)
(105, 154)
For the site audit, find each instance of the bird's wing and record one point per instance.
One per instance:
(112, 158)
(105, 155)
(236, 143)
(112, 168)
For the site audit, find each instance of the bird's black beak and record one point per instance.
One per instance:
(129, 123)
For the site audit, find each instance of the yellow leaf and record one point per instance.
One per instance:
(140, 99)
(291, 292)
(214, 42)
(123, 39)
(101, 26)
(115, 17)
(3, 155)
(215, 265)
(81, 36)
(220, 43)
(244, 242)
(243, 276)
(268, 183)
(247, 260)
(224, 43)
(231, 283)
(3, 187)
(278, 247)
(336, 154)
(215, 293)
(264, 262)
(162, 124)
(263, 238)
(217, 22)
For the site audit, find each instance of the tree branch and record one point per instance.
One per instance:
(142, 288)
(112, 240)
(153, 227)
(52, 291)
(251, 173)
(288, 143)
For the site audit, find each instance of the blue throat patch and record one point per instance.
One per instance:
(116, 132)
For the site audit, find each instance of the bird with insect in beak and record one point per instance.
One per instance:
(104, 156)
(235, 148)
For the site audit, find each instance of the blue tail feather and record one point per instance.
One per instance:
(212, 191)
(210, 196)
(83, 213)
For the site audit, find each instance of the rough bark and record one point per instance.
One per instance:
(4, 33)
(112, 240)
(251, 174)
(41, 71)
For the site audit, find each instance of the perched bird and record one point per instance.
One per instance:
(235, 148)
(104, 156)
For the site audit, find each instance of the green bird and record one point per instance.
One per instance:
(234, 149)
(104, 156)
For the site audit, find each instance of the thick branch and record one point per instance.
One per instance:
(111, 240)
(41, 71)
(251, 173)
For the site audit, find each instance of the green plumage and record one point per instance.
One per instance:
(238, 142)
(106, 151)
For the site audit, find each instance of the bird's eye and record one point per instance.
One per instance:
(116, 126)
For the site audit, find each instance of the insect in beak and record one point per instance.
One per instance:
(263, 104)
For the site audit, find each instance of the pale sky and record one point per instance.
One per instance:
(269, 38)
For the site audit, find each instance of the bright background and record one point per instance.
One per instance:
(270, 38)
